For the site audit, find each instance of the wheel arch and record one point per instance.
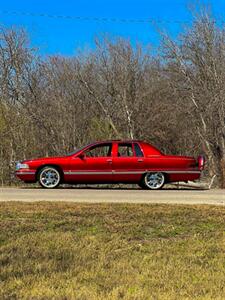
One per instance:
(57, 167)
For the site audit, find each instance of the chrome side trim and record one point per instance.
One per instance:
(128, 172)
(88, 173)
(179, 172)
(25, 173)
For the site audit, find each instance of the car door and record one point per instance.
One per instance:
(128, 163)
(93, 165)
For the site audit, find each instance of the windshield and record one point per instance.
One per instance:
(78, 150)
(74, 152)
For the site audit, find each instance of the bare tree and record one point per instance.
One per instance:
(174, 100)
(195, 65)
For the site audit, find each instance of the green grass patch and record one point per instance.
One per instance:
(111, 251)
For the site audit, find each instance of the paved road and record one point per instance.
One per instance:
(93, 195)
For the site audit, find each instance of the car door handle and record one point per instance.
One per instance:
(140, 160)
(109, 161)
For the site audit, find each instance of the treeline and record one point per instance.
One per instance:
(175, 99)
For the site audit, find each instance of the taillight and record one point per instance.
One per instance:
(201, 162)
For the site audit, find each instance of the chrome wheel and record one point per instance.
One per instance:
(49, 177)
(154, 181)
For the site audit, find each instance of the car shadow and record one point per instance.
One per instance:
(114, 188)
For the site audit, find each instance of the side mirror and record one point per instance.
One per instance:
(81, 156)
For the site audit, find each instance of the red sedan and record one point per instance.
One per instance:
(113, 161)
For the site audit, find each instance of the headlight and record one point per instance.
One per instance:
(21, 166)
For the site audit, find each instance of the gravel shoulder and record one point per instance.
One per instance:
(93, 195)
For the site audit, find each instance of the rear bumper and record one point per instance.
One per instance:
(26, 175)
(188, 176)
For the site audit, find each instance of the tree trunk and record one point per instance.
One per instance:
(222, 166)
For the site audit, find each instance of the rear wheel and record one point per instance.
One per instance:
(49, 177)
(153, 181)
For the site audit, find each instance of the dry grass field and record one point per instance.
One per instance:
(111, 251)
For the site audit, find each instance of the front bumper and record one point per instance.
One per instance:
(26, 175)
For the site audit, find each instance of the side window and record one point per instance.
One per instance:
(125, 150)
(138, 150)
(99, 151)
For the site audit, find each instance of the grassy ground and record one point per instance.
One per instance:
(111, 251)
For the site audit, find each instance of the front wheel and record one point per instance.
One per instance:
(49, 177)
(153, 181)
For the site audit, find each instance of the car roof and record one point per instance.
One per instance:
(119, 141)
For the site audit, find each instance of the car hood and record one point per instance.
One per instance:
(44, 159)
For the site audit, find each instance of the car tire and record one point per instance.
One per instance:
(142, 185)
(153, 180)
(49, 177)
